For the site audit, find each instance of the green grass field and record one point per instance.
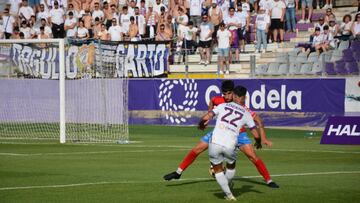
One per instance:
(50, 172)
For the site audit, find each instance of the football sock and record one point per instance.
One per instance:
(263, 170)
(223, 182)
(190, 157)
(230, 173)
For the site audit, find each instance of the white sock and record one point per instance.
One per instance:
(179, 170)
(230, 173)
(223, 182)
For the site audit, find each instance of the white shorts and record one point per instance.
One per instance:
(218, 154)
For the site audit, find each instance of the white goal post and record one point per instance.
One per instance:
(86, 128)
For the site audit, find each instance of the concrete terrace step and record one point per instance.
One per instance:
(243, 68)
(194, 59)
(300, 39)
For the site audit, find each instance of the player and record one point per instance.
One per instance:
(244, 142)
(222, 146)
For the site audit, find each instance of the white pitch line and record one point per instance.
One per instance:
(310, 150)
(93, 152)
(162, 181)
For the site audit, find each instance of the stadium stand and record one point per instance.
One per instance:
(281, 59)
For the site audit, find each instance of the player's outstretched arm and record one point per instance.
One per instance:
(205, 120)
(261, 128)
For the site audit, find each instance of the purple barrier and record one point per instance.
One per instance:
(342, 130)
(296, 102)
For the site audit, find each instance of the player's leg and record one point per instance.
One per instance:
(230, 157)
(190, 157)
(247, 148)
(216, 158)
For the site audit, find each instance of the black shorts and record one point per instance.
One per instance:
(205, 44)
(241, 33)
(277, 24)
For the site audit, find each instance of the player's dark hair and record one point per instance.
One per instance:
(240, 91)
(227, 85)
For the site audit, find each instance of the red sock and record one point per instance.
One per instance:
(190, 157)
(262, 169)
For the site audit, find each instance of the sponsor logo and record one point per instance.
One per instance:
(186, 94)
(263, 98)
(342, 130)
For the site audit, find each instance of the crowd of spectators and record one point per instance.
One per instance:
(191, 23)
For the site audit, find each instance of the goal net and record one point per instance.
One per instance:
(72, 91)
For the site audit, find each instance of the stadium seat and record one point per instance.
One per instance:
(307, 67)
(294, 67)
(336, 55)
(355, 46)
(283, 69)
(352, 68)
(343, 45)
(329, 68)
(340, 67)
(282, 58)
(261, 69)
(272, 69)
(348, 55)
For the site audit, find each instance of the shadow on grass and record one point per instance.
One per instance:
(237, 191)
(178, 183)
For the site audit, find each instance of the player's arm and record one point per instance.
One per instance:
(205, 120)
(261, 128)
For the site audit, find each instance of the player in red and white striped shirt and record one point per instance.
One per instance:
(244, 143)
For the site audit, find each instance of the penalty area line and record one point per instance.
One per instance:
(162, 181)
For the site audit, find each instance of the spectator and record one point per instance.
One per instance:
(133, 30)
(70, 25)
(16, 33)
(87, 18)
(151, 22)
(142, 8)
(290, 15)
(163, 15)
(124, 20)
(195, 11)
(182, 19)
(96, 27)
(114, 14)
(304, 4)
(232, 23)
(8, 23)
(131, 8)
(162, 35)
(108, 15)
(355, 28)
(42, 14)
(224, 5)
(277, 19)
(216, 17)
(97, 13)
(244, 20)
(2, 31)
(266, 5)
(57, 21)
(71, 9)
(47, 29)
(328, 15)
(169, 27)
(328, 39)
(317, 43)
(321, 24)
(42, 34)
(82, 32)
(245, 6)
(140, 21)
(334, 28)
(25, 11)
(14, 7)
(158, 6)
(175, 9)
(345, 27)
(116, 32)
(190, 37)
(62, 3)
(206, 31)
(224, 39)
(328, 4)
(25, 28)
(262, 24)
(103, 34)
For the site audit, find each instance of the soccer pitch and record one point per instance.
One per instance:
(50, 172)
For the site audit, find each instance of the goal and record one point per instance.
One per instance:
(53, 89)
